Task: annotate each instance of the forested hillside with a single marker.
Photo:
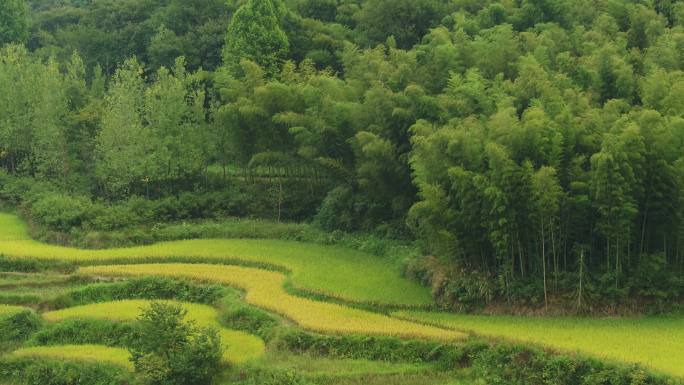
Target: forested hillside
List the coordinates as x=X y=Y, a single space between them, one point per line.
x=533 y=149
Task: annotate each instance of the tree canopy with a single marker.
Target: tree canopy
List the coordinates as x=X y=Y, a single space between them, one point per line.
x=13 y=22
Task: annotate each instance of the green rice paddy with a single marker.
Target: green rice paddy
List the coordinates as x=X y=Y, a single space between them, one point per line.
x=655 y=342
x=327 y=270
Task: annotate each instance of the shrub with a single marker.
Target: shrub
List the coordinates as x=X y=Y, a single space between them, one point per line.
x=167 y=350
x=371 y=348
x=264 y=376
x=62 y=212
x=519 y=365
x=252 y=320
x=113 y=217
x=28 y=265
x=655 y=284
x=453 y=288
x=19 y=326
x=38 y=372
x=337 y=211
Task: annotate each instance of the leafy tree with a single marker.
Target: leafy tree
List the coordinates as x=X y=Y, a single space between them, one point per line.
x=13 y=22
x=123 y=145
x=442 y=55
x=325 y=10
x=496 y=51
x=614 y=76
x=254 y=34
x=109 y=32
x=32 y=131
x=532 y=12
x=175 y=118
x=406 y=20
x=645 y=27
x=164 y=48
x=168 y=350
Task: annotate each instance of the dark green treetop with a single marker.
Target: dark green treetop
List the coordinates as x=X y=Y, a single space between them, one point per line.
x=255 y=34
x=13 y=22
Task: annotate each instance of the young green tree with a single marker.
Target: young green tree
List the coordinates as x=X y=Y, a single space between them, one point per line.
x=13 y=22
x=174 y=115
x=123 y=156
x=254 y=34
x=168 y=350
x=32 y=131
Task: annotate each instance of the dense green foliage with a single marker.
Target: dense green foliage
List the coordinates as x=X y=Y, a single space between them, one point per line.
x=83 y=332
x=18 y=327
x=169 y=350
x=109 y=32
x=13 y=22
x=35 y=372
x=254 y=34
x=537 y=143
x=152 y=288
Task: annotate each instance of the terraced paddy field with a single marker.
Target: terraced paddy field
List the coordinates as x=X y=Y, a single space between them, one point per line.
x=265 y=290
x=327 y=270
x=264 y=269
x=656 y=342
x=239 y=346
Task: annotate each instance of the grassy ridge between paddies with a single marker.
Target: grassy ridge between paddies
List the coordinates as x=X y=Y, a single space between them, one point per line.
x=239 y=346
x=324 y=367
x=333 y=271
x=265 y=290
x=83 y=353
x=7 y=310
x=654 y=342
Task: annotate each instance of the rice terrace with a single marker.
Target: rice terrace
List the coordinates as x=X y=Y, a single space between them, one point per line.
x=341 y=192
x=653 y=342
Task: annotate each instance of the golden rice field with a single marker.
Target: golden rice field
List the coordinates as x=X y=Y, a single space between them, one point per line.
x=655 y=342
x=327 y=270
x=239 y=346
x=83 y=353
x=265 y=290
